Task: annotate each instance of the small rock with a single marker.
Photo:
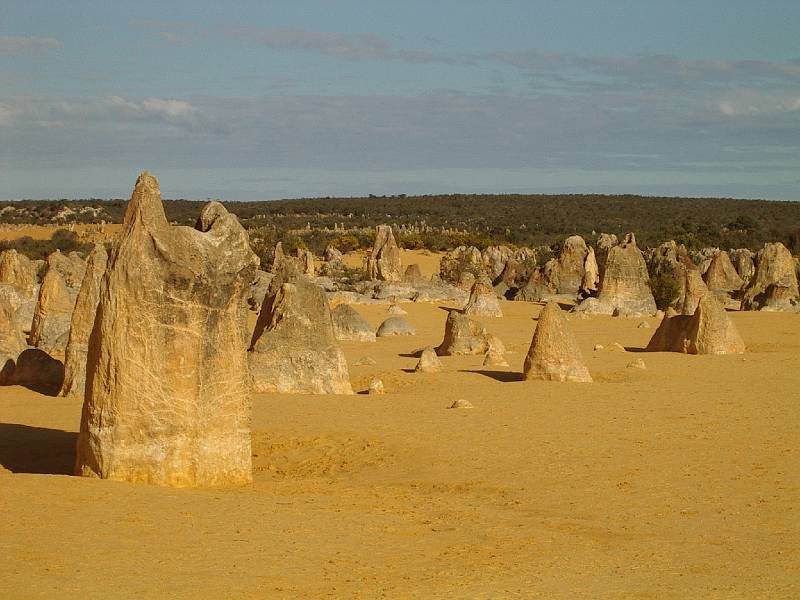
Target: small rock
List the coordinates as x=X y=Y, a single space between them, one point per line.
x=365 y=361
x=376 y=386
x=428 y=362
x=395 y=309
x=599 y=347
x=637 y=364
x=494 y=358
x=643 y=325
x=461 y=403
x=618 y=347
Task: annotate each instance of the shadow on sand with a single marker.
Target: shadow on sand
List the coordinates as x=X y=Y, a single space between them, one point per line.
x=504 y=376
x=25 y=449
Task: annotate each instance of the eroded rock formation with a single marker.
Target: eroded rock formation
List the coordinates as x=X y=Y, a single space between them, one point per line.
x=774 y=285
x=554 y=354
x=384 y=262
x=348 y=324
x=167 y=387
x=82 y=323
x=294 y=348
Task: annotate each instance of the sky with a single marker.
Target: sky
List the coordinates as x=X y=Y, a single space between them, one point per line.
x=288 y=99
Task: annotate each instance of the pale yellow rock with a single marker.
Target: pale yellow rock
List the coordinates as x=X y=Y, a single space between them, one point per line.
x=483 y=300
x=774 y=284
x=82 y=322
x=52 y=315
x=428 y=361
x=708 y=331
x=554 y=354
x=17 y=269
x=167 y=392
x=384 y=262
x=463 y=335
x=294 y=347
x=376 y=386
x=461 y=403
x=722 y=275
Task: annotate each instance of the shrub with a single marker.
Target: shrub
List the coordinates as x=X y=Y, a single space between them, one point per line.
x=665 y=288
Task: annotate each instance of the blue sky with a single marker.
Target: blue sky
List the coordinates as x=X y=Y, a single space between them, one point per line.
x=291 y=99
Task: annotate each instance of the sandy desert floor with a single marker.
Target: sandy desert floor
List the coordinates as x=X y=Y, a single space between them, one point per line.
x=678 y=481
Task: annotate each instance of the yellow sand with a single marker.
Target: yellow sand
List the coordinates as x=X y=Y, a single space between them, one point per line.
x=679 y=481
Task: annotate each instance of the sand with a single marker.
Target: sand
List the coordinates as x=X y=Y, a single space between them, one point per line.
x=678 y=481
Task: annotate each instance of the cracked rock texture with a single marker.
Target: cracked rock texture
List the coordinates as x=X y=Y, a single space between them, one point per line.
x=167 y=387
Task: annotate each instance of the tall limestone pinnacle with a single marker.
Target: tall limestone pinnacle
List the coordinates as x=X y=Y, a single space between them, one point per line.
x=167 y=388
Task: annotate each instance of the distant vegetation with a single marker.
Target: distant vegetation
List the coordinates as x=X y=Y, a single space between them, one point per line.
x=441 y=222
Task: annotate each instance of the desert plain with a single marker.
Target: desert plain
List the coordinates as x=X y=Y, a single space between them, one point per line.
x=680 y=480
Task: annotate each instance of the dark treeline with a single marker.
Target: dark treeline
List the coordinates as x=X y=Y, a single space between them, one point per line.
x=512 y=219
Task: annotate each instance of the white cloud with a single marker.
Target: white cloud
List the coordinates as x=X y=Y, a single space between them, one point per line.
x=749 y=103
x=5 y=115
x=18 y=44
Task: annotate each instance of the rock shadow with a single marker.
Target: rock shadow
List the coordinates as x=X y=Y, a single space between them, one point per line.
x=503 y=376
x=26 y=449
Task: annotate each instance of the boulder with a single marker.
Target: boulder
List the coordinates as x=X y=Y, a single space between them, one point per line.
x=294 y=347
x=774 y=284
x=83 y=317
x=167 y=388
x=567 y=274
x=463 y=335
x=395 y=326
x=349 y=325
x=52 y=315
x=554 y=354
x=483 y=300
x=708 y=331
x=721 y=274
x=428 y=361
x=384 y=262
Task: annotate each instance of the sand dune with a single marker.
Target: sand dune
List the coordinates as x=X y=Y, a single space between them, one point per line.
x=678 y=481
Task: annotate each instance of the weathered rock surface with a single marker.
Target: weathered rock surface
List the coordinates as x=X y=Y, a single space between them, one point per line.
x=70 y=266
x=428 y=361
x=384 y=262
x=12 y=343
x=258 y=289
x=554 y=354
x=568 y=272
x=83 y=317
x=591 y=272
x=708 y=331
x=18 y=270
x=348 y=324
x=742 y=259
x=167 y=387
x=463 y=335
x=483 y=300
x=722 y=275
x=294 y=347
x=774 y=285
x=395 y=326
x=625 y=284
x=52 y=315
